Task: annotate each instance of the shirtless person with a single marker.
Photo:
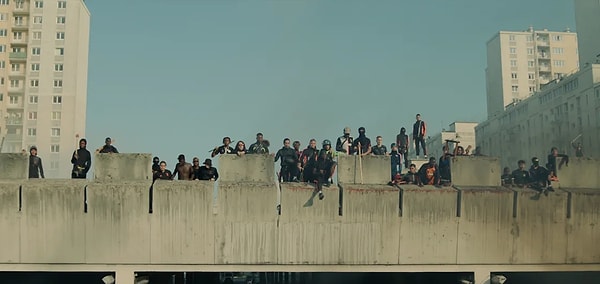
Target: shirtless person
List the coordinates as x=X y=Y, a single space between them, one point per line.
x=183 y=170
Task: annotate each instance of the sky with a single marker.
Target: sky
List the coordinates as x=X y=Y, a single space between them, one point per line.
x=171 y=77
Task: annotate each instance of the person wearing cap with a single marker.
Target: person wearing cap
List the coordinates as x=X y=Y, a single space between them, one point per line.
x=208 y=172
x=162 y=172
x=344 y=142
x=429 y=173
x=108 y=147
x=379 y=149
x=261 y=146
x=521 y=176
x=363 y=141
x=419 y=131
x=35 y=164
x=539 y=176
x=289 y=162
x=183 y=170
x=223 y=149
x=81 y=160
x=155 y=165
x=403 y=144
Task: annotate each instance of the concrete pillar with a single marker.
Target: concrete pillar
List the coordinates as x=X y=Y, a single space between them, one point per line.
x=482 y=276
x=124 y=275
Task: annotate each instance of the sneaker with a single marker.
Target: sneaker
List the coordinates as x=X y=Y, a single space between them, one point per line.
x=321 y=195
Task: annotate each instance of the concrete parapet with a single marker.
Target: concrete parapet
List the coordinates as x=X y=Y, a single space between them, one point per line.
x=53 y=221
x=182 y=222
x=579 y=173
x=309 y=228
x=429 y=225
x=9 y=222
x=375 y=169
x=130 y=166
x=370 y=225
x=484 y=230
x=475 y=171
x=14 y=166
x=583 y=231
x=247 y=168
x=246 y=223
x=539 y=228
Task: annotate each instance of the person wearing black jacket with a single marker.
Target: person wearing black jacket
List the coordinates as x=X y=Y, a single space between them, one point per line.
x=429 y=173
x=223 y=149
x=155 y=165
x=365 y=143
x=208 y=172
x=419 y=131
x=521 y=176
x=289 y=162
x=403 y=144
x=551 y=165
x=539 y=176
x=108 y=147
x=35 y=164
x=344 y=143
x=81 y=160
x=307 y=155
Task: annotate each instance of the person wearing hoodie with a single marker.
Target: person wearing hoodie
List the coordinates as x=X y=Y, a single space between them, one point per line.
x=363 y=141
x=403 y=144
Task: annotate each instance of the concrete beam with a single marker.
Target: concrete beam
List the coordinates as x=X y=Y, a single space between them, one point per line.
x=14 y=166
x=475 y=171
x=579 y=173
x=130 y=166
x=10 y=208
x=364 y=170
x=247 y=168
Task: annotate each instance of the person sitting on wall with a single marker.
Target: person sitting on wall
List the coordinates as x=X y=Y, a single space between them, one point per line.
x=412 y=177
x=539 y=176
x=429 y=173
x=551 y=165
x=520 y=176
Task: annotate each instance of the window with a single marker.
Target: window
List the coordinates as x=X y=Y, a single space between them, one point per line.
x=4 y=2
x=55 y=132
x=32 y=115
x=33 y=100
x=557 y=37
x=531 y=63
x=37 y=35
x=3 y=17
x=511 y=37
x=57 y=99
x=2 y=48
x=559 y=63
x=56 y=115
x=62 y=4
x=513 y=50
x=15 y=83
x=3 y=32
x=18 y=35
x=54 y=148
x=37 y=19
x=531 y=89
x=1 y=81
x=13 y=100
x=531 y=76
x=15 y=67
x=36 y=51
x=2 y=64
x=530 y=51
x=54 y=165
x=529 y=38
x=515 y=89
x=61 y=20
x=59 y=51
x=558 y=50
x=513 y=75
x=31 y=131
x=19 y=4
x=58 y=67
x=57 y=83
x=60 y=35
x=513 y=63
x=35 y=67
x=18 y=20
x=35 y=83
x=39 y=4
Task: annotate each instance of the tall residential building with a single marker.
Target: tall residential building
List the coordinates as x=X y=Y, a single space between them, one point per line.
x=43 y=78
x=518 y=63
x=587 y=17
x=464 y=132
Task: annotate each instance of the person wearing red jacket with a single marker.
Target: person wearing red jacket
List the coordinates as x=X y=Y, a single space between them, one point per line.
x=419 y=130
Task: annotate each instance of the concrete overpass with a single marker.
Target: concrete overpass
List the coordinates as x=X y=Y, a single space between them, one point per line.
x=248 y=222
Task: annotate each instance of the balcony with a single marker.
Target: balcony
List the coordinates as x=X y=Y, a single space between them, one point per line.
x=13 y=137
x=543 y=42
x=18 y=56
x=21 y=11
x=545 y=69
x=19 y=26
x=14 y=121
x=17 y=106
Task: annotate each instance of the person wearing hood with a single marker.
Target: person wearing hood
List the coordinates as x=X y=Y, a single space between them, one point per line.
x=403 y=144
x=155 y=165
x=363 y=141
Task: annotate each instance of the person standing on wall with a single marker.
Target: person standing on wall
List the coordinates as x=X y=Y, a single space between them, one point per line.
x=35 y=164
x=419 y=131
x=81 y=160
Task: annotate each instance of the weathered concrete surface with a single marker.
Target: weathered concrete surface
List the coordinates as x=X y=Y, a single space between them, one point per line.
x=52 y=221
x=429 y=225
x=247 y=168
x=580 y=173
x=375 y=169
x=182 y=226
x=309 y=228
x=14 y=166
x=370 y=224
x=9 y=222
x=246 y=224
x=475 y=171
x=583 y=231
x=117 y=227
x=130 y=166
x=539 y=228
x=484 y=234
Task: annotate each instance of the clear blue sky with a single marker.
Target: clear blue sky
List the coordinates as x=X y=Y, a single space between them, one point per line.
x=170 y=77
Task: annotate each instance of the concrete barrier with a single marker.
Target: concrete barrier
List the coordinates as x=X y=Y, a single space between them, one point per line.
x=370 y=225
x=247 y=168
x=14 y=166
x=52 y=221
x=539 y=228
x=579 y=173
x=475 y=171
x=246 y=224
x=375 y=169
x=182 y=223
x=429 y=225
x=122 y=167
x=9 y=222
x=309 y=228
x=117 y=228
x=484 y=235
x=583 y=230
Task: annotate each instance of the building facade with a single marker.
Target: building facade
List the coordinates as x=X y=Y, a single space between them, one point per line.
x=43 y=78
x=464 y=132
x=518 y=63
x=561 y=112
x=588 y=29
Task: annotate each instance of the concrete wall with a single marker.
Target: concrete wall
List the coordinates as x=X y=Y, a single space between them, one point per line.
x=132 y=166
x=14 y=166
x=582 y=226
x=475 y=171
x=375 y=169
x=247 y=168
x=580 y=173
x=9 y=222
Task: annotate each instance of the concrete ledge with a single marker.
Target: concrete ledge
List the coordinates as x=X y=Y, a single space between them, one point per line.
x=475 y=171
x=375 y=169
x=580 y=173
x=247 y=168
x=122 y=167
x=14 y=166
x=9 y=222
x=583 y=230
